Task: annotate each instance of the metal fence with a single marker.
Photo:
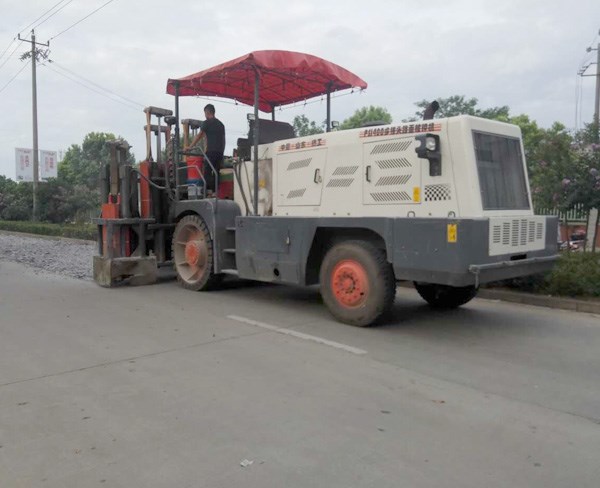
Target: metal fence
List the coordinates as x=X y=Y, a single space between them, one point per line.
x=577 y=214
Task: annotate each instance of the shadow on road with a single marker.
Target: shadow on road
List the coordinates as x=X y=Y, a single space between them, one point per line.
x=407 y=313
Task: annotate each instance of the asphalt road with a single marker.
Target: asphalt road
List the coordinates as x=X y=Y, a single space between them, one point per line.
x=160 y=387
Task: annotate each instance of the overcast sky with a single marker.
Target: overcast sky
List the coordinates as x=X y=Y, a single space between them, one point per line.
x=520 y=53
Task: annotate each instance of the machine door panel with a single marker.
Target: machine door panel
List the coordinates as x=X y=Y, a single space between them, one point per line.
x=391 y=172
x=300 y=177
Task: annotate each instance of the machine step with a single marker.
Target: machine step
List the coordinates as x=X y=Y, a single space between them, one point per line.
x=231 y=229
x=229 y=251
x=232 y=272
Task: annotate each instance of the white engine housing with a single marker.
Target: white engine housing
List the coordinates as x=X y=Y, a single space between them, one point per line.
x=375 y=172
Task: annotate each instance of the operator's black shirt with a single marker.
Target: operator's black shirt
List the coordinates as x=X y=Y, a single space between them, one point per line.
x=215 y=135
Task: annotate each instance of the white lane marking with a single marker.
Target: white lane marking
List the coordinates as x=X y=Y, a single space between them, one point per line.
x=299 y=335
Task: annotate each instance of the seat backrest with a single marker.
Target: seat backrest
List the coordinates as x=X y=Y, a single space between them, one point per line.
x=271 y=131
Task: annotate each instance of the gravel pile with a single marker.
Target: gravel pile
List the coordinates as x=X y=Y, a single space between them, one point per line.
x=67 y=258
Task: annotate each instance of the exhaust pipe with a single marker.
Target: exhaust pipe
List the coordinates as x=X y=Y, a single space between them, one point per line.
x=431 y=109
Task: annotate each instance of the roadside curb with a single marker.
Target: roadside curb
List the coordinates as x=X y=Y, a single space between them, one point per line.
x=547 y=301
x=49 y=238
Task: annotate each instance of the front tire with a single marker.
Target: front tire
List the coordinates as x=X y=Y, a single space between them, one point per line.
x=444 y=296
x=193 y=255
x=357 y=283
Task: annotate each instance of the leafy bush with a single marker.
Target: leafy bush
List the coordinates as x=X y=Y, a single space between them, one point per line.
x=76 y=231
x=576 y=274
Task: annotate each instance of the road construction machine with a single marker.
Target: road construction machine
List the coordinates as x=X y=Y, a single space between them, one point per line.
x=443 y=203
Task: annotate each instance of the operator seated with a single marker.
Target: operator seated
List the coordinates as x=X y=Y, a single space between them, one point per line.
x=214 y=131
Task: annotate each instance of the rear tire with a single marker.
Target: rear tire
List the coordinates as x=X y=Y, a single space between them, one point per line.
x=444 y=296
x=357 y=283
x=192 y=249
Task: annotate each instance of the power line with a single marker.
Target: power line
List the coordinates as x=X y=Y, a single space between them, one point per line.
x=32 y=23
x=126 y=104
x=10 y=55
x=17 y=74
x=46 y=12
x=82 y=19
x=8 y=46
x=53 y=14
x=95 y=84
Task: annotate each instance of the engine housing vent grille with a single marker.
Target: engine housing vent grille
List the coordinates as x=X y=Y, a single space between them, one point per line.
x=389 y=147
x=344 y=171
x=516 y=235
x=340 y=182
x=391 y=196
x=301 y=163
x=296 y=193
x=393 y=180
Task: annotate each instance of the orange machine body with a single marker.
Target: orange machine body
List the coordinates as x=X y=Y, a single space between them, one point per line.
x=123 y=234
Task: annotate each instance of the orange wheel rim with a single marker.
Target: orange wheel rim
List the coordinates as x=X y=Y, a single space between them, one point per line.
x=194 y=253
x=350 y=283
x=191 y=254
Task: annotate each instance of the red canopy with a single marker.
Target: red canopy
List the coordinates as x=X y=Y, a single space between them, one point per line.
x=285 y=77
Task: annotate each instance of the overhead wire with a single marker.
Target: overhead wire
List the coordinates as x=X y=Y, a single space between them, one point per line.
x=34 y=25
x=82 y=19
x=17 y=74
x=10 y=55
x=71 y=72
x=126 y=104
x=41 y=16
x=8 y=46
x=53 y=14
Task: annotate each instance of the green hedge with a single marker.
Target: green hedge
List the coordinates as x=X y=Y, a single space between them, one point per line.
x=76 y=231
x=576 y=274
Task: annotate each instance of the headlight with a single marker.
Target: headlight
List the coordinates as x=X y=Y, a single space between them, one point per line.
x=430 y=143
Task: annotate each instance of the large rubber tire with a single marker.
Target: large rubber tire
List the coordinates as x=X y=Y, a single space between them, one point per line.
x=192 y=253
x=444 y=296
x=357 y=283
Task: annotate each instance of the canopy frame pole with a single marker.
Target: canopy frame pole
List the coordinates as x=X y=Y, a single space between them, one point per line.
x=273 y=113
x=176 y=151
x=256 y=139
x=328 y=128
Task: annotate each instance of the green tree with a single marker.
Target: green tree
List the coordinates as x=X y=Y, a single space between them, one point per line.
x=586 y=181
x=551 y=169
x=63 y=202
x=15 y=200
x=81 y=164
x=459 y=105
x=365 y=115
x=532 y=134
x=304 y=127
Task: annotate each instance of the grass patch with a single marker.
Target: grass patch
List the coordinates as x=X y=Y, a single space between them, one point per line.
x=75 y=231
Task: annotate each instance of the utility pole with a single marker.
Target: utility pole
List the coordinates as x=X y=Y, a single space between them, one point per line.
x=36 y=164
x=597 y=106
x=597 y=99
x=594 y=215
